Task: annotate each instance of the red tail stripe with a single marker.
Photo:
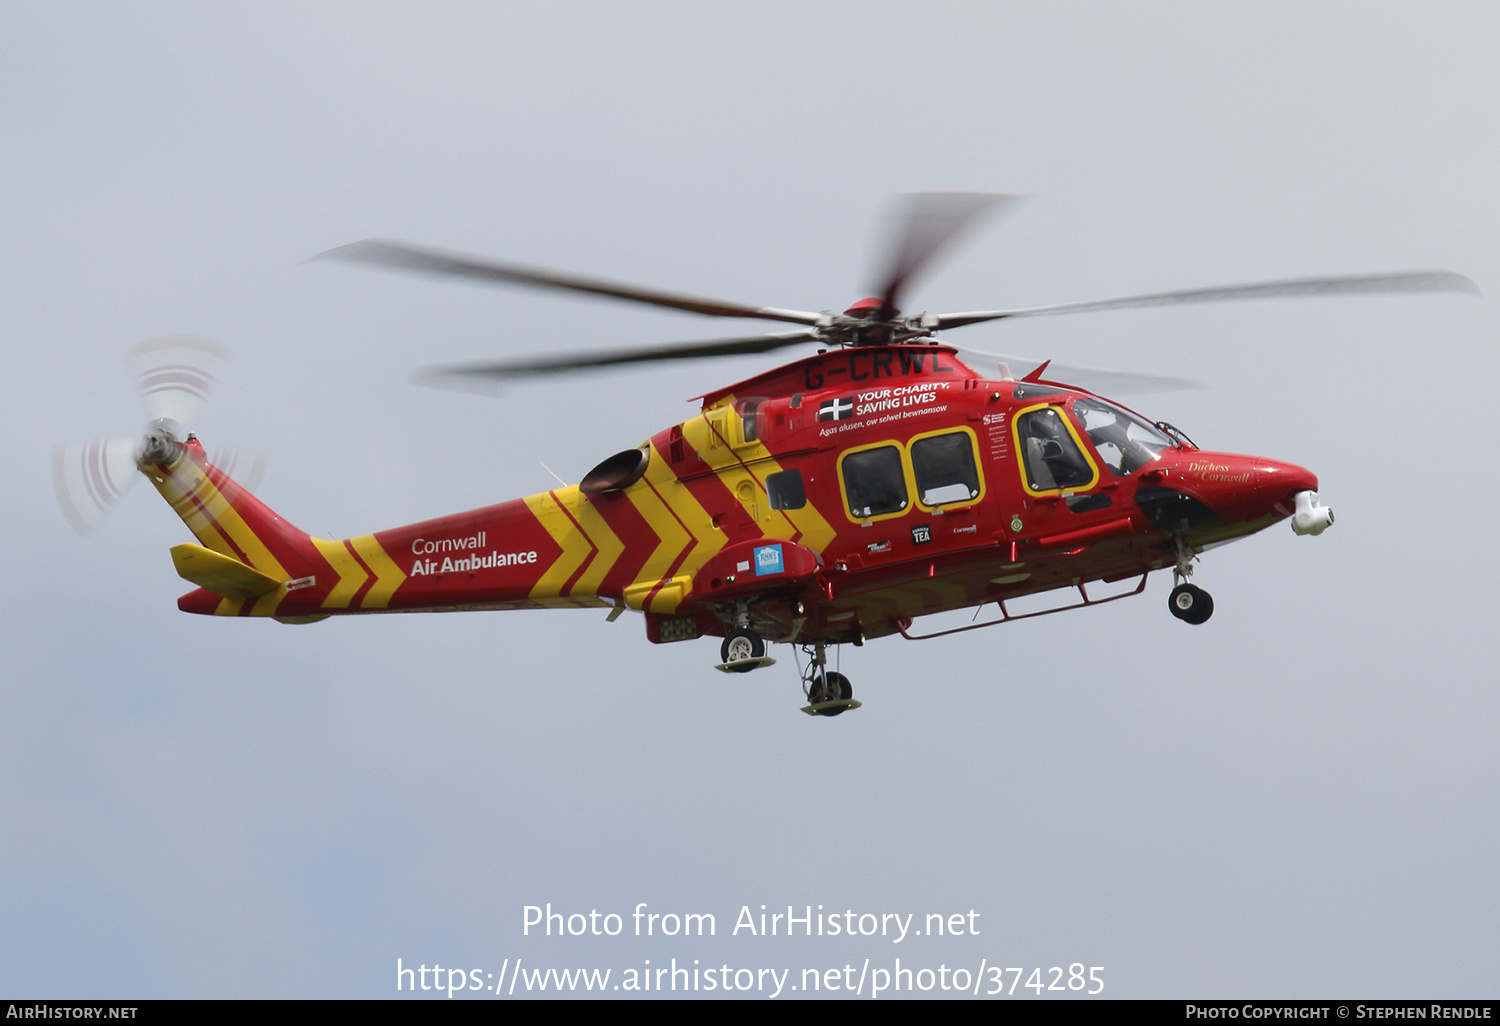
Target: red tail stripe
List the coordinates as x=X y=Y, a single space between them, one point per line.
x=593 y=549
x=369 y=576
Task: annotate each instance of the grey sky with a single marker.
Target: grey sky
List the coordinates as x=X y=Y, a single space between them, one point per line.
x=1297 y=799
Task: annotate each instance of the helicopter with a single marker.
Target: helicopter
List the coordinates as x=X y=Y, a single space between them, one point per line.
x=831 y=500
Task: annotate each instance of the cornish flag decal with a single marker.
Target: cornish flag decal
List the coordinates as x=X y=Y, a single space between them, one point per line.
x=836 y=409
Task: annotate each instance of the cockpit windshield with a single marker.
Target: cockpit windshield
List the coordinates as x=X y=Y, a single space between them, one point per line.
x=1124 y=441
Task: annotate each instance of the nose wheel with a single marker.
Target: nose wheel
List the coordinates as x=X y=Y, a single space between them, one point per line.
x=1190 y=603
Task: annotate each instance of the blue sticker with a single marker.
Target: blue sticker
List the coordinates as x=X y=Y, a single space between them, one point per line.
x=768 y=560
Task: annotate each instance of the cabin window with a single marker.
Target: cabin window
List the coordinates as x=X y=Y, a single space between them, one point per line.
x=1051 y=457
x=1125 y=443
x=874 y=483
x=786 y=490
x=945 y=468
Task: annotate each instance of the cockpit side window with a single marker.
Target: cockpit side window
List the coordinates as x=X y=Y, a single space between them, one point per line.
x=1050 y=456
x=874 y=483
x=945 y=468
x=1124 y=442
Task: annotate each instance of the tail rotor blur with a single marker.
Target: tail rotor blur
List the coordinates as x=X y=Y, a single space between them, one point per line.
x=174 y=377
x=90 y=477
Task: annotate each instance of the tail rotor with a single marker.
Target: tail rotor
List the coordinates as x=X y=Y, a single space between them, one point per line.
x=90 y=478
x=174 y=377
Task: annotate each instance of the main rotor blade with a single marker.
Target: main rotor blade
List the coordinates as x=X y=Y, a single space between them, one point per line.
x=472 y=375
x=1099 y=380
x=1409 y=281
x=412 y=258
x=925 y=223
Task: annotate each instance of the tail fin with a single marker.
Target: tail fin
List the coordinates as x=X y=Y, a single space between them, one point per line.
x=229 y=521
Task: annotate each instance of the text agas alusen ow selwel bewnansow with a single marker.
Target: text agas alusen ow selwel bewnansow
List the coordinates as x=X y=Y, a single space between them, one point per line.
x=539 y=920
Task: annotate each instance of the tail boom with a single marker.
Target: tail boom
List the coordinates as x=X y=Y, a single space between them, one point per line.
x=523 y=554
x=641 y=547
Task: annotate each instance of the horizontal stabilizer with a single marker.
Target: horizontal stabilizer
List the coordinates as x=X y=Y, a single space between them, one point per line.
x=226 y=577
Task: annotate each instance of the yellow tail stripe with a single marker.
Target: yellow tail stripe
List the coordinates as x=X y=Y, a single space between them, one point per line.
x=672 y=538
x=608 y=544
x=183 y=503
x=228 y=520
x=575 y=546
x=351 y=574
x=388 y=576
x=211 y=518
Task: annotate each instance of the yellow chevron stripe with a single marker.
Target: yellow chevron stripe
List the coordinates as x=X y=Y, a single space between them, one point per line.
x=707 y=539
x=227 y=519
x=210 y=517
x=816 y=532
x=575 y=546
x=178 y=494
x=603 y=538
x=388 y=576
x=672 y=539
x=351 y=574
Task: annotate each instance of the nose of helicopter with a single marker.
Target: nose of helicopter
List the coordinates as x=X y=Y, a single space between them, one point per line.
x=1276 y=483
x=1236 y=487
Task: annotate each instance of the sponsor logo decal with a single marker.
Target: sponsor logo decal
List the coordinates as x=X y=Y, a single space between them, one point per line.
x=886 y=399
x=836 y=409
x=1219 y=472
x=768 y=560
x=486 y=561
x=921 y=534
x=882 y=406
x=424 y=546
x=471 y=561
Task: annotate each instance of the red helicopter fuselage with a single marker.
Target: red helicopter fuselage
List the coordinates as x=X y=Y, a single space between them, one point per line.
x=834 y=499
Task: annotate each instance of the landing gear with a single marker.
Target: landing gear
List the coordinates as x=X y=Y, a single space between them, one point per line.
x=1188 y=602
x=828 y=692
x=743 y=650
x=1191 y=603
x=740 y=644
x=835 y=687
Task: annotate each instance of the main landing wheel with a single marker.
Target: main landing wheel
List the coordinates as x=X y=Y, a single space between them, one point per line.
x=835 y=688
x=1190 y=603
x=740 y=645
